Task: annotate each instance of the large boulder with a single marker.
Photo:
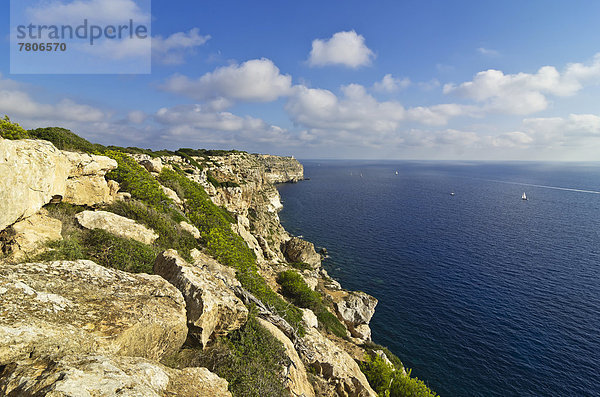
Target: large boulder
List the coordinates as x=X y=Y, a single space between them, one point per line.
x=86 y=184
x=98 y=375
x=356 y=308
x=212 y=307
x=117 y=225
x=332 y=363
x=31 y=173
x=297 y=380
x=30 y=234
x=78 y=307
x=298 y=250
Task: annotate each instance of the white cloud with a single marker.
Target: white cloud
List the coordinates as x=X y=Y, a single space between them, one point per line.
x=136 y=117
x=391 y=84
x=17 y=103
x=118 y=49
x=96 y=11
x=525 y=93
x=198 y=123
x=257 y=80
x=512 y=139
x=488 y=52
x=555 y=131
x=360 y=112
x=343 y=48
x=172 y=50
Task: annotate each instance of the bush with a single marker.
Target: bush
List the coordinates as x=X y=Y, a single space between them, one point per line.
x=171 y=235
x=64 y=139
x=389 y=380
x=299 y=293
x=378 y=373
x=10 y=130
x=135 y=179
x=405 y=386
x=214 y=224
x=250 y=359
x=105 y=249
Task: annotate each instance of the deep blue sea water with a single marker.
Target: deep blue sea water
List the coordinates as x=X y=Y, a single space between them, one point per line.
x=481 y=293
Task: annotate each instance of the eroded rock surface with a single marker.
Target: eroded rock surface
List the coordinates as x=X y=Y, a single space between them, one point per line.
x=30 y=234
x=117 y=225
x=295 y=373
x=332 y=363
x=98 y=375
x=212 y=307
x=63 y=308
x=32 y=172
x=298 y=250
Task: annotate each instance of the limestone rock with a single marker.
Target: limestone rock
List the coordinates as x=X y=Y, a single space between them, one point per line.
x=86 y=184
x=32 y=172
x=98 y=375
x=362 y=332
x=212 y=307
x=63 y=308
x=117 y=225
x=28 y=235
x=190 y=228
x=298 y=250
x=222 y=272
x=309 y=318
x=356 y=308
x=335 y=365
x=298 y=383
x=152 y=164
x=172 y=195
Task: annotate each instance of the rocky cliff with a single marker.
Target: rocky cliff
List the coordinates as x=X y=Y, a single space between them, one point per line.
x=136 y=273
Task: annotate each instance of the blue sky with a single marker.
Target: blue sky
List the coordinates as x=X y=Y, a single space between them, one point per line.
x=387 y=80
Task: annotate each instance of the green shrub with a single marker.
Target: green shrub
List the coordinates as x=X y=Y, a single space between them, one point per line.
x=105 y=249
x=171 y=235
x=405 y=386
x=250 y=359
x=389 y=380
x=10 y=130
x=299 y=293
x=378 y=373
x=135 y=179
x=65 y=140
x=214 y=224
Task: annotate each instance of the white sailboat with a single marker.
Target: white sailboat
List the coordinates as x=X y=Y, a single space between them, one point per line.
x=524 y=196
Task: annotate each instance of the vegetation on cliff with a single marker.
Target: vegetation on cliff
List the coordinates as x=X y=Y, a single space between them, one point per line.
x=10 y=130
x=299 y=293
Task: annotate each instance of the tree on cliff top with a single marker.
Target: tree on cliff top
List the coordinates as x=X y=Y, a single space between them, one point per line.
x=10 y=130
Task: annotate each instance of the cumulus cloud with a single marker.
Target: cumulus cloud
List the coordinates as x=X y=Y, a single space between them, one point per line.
x=390 y=84
x=526 y=93
x=199 y=123
x=356 y=110
x=257 y=80
x=512 y=139
x=343 y=48
x=96 y=11
x=563 y=131
x=16 y=102
x=173 y=49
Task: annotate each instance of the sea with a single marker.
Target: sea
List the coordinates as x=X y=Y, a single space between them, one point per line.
x=480 y=293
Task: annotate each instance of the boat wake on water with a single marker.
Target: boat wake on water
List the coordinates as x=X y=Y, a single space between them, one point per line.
x=568 y=189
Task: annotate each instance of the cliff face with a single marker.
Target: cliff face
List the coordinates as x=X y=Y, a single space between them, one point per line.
x=131 y=322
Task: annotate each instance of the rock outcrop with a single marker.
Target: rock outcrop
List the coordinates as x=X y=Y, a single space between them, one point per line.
x=51 y=310
x=32 y=172
x=29 y=235
x=86 y=184
x=335 y=365
x=98 y=375
x=117 y=225
x=212 y=307
x=298 y=250
x=356 y=308
x=295 y=374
